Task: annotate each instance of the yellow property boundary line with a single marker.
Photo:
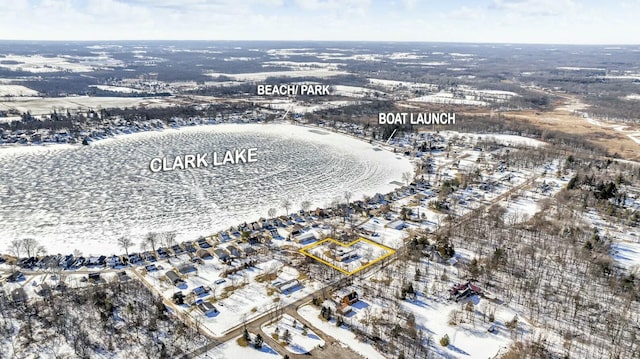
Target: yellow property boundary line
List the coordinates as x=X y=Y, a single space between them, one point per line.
x=390 y=251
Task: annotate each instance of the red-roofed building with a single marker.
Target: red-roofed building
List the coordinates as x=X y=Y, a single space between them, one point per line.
x=464 y=290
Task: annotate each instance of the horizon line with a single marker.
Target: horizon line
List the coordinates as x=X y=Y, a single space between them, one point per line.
x=334 y=41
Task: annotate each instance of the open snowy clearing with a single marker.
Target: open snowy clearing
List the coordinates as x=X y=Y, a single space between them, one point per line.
x=627 y=254
x=85 y=197
x=467 y=340
x=301 y=341
x=625 y=246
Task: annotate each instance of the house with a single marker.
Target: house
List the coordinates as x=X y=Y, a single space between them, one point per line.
x=344 y=254
x=18 y=295
x=378 y=198
x=254 y=238
x=345 y=296
x=319 y=212
x=284 y=287
x=296 y=230
x=149 y=256
x=92 y=261
x=15 y=277
x=255 y=226
x=200 y=291
x=176 y=249
x=305 y=238
x=174 y=278
x=113 y=261
x=188 y=247
x=397 y=224
x=94 y=277
x=207 y=308
x=204 y=254
x=186 y=268
x=464 y=290
x=203 y=243
x=235 y=251
x=223 y=237
x=123 y=276
x=344 y=309
x=221 y=254
x=44 y=290
x=66 y=262
x=250 y=251
x=162 y=253
x=134 y=259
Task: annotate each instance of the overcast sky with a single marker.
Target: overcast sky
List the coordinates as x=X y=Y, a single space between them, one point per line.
x=511 y=21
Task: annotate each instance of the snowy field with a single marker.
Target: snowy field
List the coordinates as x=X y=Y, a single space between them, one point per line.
x=85 y=197
x=46 y=105
x=16 y=90
x=261 y=76
x=121 y=89
x=301 y=342
x=43 y=64
x=444 y=97
x=510 y=140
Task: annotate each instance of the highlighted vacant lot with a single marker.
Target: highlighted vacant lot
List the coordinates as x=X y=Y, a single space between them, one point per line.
x=348 y=258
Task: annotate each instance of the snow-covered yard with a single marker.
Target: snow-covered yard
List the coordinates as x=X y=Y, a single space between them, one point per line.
x=300 y=340
x=342 y=333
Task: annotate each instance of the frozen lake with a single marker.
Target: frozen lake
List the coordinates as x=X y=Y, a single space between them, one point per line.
x=85 y=197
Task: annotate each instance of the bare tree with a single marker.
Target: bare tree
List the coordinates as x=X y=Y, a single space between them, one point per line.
x=305 y=205
x=407 y=177
x=15 y=247
x=31 y=246
x=347 y=197
x=125 y=243
x=152 y=239
x=271 y=212
x=286 y=204
x=168 y=239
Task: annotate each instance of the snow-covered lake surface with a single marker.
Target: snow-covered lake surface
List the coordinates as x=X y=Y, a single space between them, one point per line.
x=85 y=197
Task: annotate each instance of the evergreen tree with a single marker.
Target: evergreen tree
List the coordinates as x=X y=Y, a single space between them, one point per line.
x=286 y=336
x=245 y=335
x=257 y=343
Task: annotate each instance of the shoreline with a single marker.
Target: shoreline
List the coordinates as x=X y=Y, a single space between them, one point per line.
x=319 y=200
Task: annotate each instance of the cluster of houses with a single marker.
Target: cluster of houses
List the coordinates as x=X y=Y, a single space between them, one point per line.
x=244 y=241
x=102 y=126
